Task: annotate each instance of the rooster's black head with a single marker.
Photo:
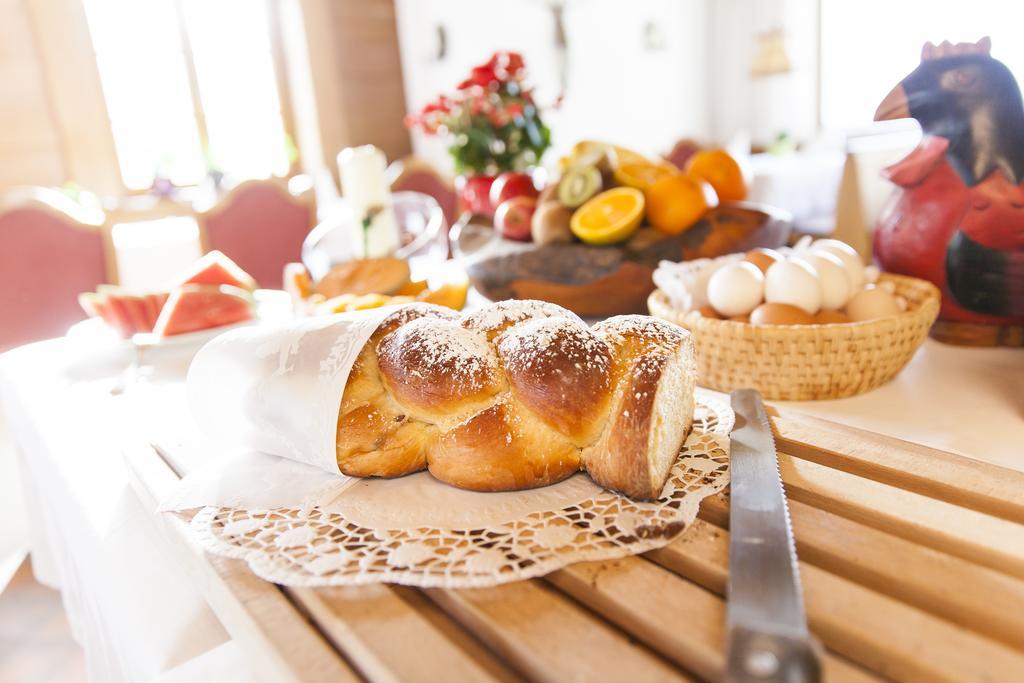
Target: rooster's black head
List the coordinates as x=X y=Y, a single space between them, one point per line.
x=960 y=93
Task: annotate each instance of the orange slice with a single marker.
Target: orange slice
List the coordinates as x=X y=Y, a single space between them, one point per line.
x=642 y=175
x=610 y=217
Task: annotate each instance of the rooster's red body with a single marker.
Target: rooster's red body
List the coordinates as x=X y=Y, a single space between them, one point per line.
x=958 y=217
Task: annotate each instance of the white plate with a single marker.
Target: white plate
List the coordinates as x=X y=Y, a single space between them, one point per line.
x=197 y=338
x=95 y=332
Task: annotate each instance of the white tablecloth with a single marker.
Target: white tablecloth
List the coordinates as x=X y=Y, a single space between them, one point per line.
x=137 y=613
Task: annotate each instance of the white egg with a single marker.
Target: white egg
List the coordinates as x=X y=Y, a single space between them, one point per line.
x=835 y=283
x=850 y=258
x=793 y=282
x=829 y=243
x=736 y=289
x=803 y=244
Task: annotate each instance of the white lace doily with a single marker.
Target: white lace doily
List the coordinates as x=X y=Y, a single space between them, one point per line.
x=322 y=547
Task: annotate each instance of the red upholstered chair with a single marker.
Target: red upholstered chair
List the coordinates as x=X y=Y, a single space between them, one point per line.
x=50 y=251
x=260 y=225
x=415 y=175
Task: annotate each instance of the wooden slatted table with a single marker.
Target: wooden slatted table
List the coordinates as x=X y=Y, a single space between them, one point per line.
x=912 y=563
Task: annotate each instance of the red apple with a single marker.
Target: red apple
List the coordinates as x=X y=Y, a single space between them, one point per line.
x=475 y=194
x=514 y=216
x=510 y=185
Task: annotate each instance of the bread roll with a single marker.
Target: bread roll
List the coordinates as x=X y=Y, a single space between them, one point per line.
x=518 y=395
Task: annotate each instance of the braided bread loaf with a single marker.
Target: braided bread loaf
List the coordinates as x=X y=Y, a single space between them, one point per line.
x=518 y=395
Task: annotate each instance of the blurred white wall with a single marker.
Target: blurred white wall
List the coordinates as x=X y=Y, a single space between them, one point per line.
x=634 y=73
x=767 y=105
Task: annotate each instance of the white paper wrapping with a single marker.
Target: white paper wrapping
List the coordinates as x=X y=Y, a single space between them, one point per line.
x=277 y=389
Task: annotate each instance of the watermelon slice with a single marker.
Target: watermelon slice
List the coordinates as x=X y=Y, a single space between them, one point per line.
x=97 y=306
x=152 y=310
x=156 y=301
x=90 y=303
x=123 y=317
x=133 y=308
x=115 y=317
x=191 y=308
x=138 y=312
x=215 y=268
x=125 y=312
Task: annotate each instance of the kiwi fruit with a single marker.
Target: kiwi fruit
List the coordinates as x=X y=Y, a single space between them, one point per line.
x=550 y=223
x=579 y=184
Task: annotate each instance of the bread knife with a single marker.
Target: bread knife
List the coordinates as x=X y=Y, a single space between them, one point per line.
x=768 y=638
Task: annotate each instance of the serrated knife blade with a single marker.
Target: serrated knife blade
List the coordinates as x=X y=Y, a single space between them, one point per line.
x=768 y=638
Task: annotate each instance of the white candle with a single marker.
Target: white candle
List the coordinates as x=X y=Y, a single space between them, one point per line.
x=366 y=190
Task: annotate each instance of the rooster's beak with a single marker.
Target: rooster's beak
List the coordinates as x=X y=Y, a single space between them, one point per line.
x=894 y=106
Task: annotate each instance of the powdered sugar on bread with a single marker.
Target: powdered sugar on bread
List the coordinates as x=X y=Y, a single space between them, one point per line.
x=523 y=393
x=498 y=317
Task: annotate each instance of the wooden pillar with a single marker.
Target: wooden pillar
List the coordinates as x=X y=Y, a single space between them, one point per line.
x=355 y=76
x=30 y=150
x=75 y=97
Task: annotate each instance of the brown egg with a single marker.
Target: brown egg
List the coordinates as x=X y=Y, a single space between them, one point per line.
x=763 y=258
x=709 y=312
x=740 y=318
x=780 y=314
x=831 y=317
x=871 y=303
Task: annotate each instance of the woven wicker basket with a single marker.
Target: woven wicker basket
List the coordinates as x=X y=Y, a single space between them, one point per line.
x=808 y=362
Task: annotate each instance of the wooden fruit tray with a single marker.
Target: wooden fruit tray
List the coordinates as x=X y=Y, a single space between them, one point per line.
x=912 y=562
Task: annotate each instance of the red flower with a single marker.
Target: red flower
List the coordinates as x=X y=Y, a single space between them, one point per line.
x=499 y=118
x=482 y=116
x=505 y=64
x=442 y=105
x=482 y=76
x=432 y=116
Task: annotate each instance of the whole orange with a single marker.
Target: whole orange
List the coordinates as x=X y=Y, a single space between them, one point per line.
x=675 y=202
x=720 y=170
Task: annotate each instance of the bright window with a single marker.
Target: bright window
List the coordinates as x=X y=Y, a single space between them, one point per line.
x=868 y=46
x=190 y=87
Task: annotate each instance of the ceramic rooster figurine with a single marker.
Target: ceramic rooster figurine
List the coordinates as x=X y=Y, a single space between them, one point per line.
x=958 y=219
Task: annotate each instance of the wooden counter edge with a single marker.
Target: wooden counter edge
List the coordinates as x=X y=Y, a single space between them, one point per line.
x=255 y=612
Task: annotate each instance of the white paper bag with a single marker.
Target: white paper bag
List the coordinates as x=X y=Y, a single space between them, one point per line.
x=278 y=389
